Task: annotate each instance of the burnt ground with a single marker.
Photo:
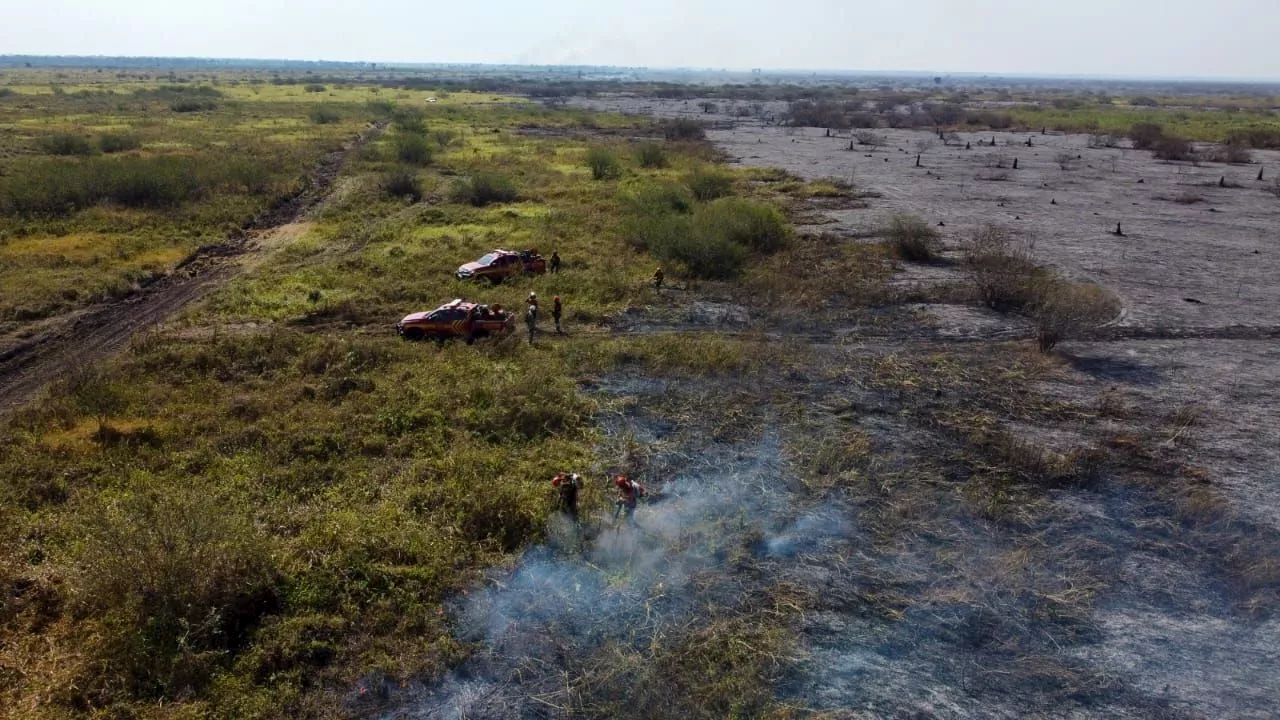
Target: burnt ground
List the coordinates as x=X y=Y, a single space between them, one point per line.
x=945 y=523
x=30 y=360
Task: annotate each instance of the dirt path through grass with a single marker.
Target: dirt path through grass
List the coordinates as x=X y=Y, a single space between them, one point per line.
x=83 y=336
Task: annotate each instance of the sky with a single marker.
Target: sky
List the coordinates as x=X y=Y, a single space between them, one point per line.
x=1130 y=38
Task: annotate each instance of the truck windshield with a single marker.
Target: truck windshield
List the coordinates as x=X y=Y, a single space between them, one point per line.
x=487 y=259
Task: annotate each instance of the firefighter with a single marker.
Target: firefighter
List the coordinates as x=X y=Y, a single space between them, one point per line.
x=555 y=262
x=657 y=279
x=532 y=300
x=629 y=493
x=531 y=320
x=556 y=312
x=568 y=485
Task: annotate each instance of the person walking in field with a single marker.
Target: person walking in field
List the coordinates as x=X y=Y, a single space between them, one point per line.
x=657 y=279
x=556 y=311
x=629 y=494
x=555 y=262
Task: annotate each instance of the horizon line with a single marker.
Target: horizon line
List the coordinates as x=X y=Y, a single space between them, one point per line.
x=390 y=65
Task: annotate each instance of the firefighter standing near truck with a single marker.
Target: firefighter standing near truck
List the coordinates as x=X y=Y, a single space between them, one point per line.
x=629 y=494
x=531 y=315
x=555 y=262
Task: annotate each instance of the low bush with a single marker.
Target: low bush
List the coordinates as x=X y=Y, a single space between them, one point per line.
x=59 y=187
x=402 y=182
x=444 y=138
x=173 y=579
x=189 y=106
x=1062 y=309
x=484 y=188
x=412 y=149
x=1003 y=270
x=1008 y=280
x=660 y=198
x=751 y=224
x=409 y=120
x=324 y=116
x=708 y=183
x=683 y=129
x=603 y=163
x=1259 y=138
x=912 y=238
x=651 y=155
x=1231 y=153
x=315 y=88
x=710 y=240
x=64 y=144
x=118 y=142
x=1174 y=149
x=1145 y=135
x=703 y=253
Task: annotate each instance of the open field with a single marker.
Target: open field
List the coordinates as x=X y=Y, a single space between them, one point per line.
x=869 y=494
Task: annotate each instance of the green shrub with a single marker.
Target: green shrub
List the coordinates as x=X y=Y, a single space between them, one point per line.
x=188 y=106
x=444 y=138
x=751 y=224
x=412 y=149
x=381 y=108
x=58 y=187
x=683 y=129
x=409 y=120
x=709 y=241
x=315 y=88
x=704 y=255
x=912 y=238
x=118 y=142
x=651 y=155
x=603 y=163
x=653 y=231
x=484 y=188
x=324 y=116
x=402 y=182
x=708 y=183
x=173 y=578
x=660 y=198
x=64 y=144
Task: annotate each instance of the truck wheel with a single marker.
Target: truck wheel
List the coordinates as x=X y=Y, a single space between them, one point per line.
x=413 y=334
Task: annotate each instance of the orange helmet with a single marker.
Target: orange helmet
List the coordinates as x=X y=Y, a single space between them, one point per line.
x=620 y=481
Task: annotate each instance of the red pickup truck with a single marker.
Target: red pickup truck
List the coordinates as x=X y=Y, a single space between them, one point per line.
x=502 y=264
x=457 y=319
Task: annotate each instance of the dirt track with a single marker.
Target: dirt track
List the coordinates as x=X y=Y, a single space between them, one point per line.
x=103 y=329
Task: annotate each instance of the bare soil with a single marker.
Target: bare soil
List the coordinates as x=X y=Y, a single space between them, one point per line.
x=34 y=357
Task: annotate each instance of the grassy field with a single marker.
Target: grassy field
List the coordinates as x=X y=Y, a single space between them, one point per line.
x=256 y=507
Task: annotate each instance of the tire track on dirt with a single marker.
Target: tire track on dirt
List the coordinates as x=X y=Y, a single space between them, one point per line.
x=105 y=328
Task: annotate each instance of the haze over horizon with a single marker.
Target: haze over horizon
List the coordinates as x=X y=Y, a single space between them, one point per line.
x=1117 y=38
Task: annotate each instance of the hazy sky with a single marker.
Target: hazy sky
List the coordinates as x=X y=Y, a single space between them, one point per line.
x=1227 y=38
